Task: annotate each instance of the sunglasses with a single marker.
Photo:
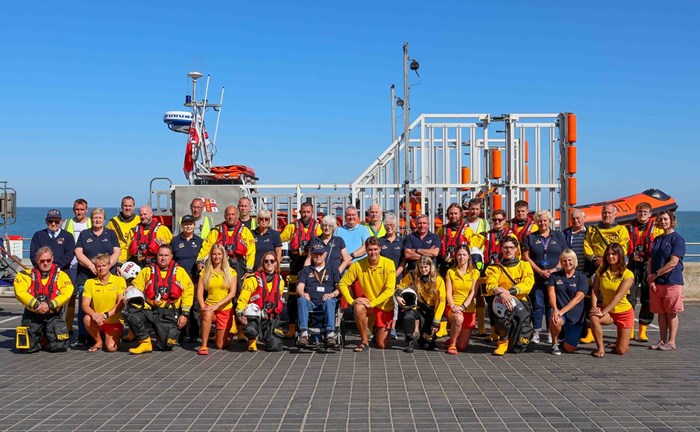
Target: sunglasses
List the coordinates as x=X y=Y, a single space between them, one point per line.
x=497 y=220
x=53 y=222
x=270 y=261
x=45 y=261
x=263 y=219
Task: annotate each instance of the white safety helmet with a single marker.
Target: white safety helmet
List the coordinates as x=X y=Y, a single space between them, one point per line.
x=252 y=310
x=499 y=306
x=133 y=295
x=130 y=270
x=410 y=297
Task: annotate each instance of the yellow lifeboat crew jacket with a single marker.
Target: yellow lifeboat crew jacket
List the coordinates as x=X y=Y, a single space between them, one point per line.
x=163 y=236
x=598 y=238
x=122 y=227
x=520 y=271
x=184 y=303
x=26 y=289
x=436 y=298
x=246 y=237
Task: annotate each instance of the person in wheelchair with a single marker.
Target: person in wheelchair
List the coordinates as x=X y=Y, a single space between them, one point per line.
x=317 y=292
x=421 y=319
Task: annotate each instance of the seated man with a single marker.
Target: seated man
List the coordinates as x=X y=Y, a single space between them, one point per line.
x=169 y=293
x=102 y=303
x=377 y=279
x=316 y=292
x=43 y=291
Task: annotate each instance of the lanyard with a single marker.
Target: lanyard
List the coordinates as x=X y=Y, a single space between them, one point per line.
x=323 y=275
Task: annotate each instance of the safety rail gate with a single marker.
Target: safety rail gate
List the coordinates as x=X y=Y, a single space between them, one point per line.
x=451 y=158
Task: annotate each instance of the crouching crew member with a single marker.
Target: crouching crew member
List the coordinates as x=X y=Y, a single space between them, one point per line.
x=316 y=292
x=423 y=320
x=168 y=293
x=260 y=304
x=43 y=291
x=143 y=241
x=511 y=278
x=377 y=279
x=102 y=305
x=460 y=286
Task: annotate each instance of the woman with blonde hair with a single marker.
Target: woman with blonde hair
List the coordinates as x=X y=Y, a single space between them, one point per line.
x=460 y=285
x=219 y=280
x=421 y=295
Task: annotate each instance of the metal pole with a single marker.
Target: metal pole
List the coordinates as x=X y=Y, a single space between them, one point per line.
x=393 y=114
x=396 y=152
x=406 y=141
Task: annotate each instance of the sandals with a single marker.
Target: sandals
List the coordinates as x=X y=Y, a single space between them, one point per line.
x=361 y=347
x=598 y=354
x=452 y=350
x=610 y=346
x=203 y=351
x=94 y=348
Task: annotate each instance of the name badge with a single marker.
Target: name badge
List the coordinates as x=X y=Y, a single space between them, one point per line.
x=320 y=289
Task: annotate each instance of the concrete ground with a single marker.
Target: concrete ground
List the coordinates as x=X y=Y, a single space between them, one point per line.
x=376 y=390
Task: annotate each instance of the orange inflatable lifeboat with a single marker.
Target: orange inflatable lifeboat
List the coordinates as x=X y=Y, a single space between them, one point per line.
x=626 y=206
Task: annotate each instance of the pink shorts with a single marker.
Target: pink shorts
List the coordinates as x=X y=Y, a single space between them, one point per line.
x=224 y=319
x=469 y=321
x=623 y=320
x=666 y=299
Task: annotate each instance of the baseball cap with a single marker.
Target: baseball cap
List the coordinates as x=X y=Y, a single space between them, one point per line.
x=319 y=248
x=187 y=219
x=53 y=214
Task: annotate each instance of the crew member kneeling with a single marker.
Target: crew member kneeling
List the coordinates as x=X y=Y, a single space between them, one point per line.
x=260 y=304
x=425 y=314
x=43 y=291
x=316 y=292
x=377 y=278
x=102 y=302
x=510 y=280
x=168 y=292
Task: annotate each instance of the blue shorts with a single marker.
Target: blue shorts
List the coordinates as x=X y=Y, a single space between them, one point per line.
x=572 y=332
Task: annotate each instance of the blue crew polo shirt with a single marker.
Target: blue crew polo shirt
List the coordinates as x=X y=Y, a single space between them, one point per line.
x=661 y=250
x=335 y=246
x=545 y=251
x=354 y=238
x=318 y=283
x=185 y=253
x=392 y=249
x=94 y=245
x=265 y=243
x=565 y=289
x=413 y=241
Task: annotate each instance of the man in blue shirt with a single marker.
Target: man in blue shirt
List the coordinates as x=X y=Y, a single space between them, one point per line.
x=421 y=242
x=186 y=246
x=354 y=234
x=61 y=243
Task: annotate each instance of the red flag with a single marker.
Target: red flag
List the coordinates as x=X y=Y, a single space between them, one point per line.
x=192 y=140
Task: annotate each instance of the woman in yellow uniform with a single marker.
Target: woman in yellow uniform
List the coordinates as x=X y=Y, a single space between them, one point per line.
x=425 y=316
x=219 y=280
x=511 y=277
x=102 y=305
x=609 y=297
x=460 y=286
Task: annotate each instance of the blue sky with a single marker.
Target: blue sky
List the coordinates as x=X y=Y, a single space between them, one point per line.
x=85 y=85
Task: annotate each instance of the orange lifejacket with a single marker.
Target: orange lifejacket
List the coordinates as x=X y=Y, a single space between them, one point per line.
x=261 y=296
x=451 y=242
x=234 y=245
x=640 y=244
x=521 y=233
x=301 y=240
x=143 y=243
x=492 y=249
x=48 y=292
x=163 y=288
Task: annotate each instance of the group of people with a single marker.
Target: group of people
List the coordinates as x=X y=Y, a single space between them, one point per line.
x=525 y=275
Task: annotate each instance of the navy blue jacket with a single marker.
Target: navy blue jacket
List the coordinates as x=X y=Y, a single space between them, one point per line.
x=62 y=247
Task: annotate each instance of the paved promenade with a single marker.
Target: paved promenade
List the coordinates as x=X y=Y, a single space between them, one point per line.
x=376 y=390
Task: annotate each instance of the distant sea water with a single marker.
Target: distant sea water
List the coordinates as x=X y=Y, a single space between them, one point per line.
x=31 y=219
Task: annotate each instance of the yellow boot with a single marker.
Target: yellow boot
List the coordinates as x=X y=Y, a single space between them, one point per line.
x=632 y=334
x=643 y=333
x=143 y=347
x=501 y=348
x=292 y=331
x=252 y=345
x=588 y=338
x=442 y=331
x=481 y=320
x=492 y=337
